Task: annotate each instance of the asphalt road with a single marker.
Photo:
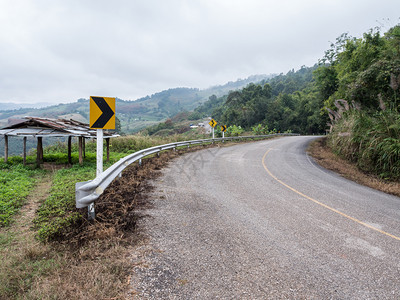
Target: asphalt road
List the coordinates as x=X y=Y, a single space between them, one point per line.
x=263 y=221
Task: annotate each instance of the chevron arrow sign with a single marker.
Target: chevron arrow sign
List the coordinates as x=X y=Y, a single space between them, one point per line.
x=102 y=113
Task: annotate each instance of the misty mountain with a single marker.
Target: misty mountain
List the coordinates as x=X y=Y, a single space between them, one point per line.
x=133 y=114
x=13 y=106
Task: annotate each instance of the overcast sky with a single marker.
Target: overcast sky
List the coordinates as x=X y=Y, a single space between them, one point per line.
x=59 y=51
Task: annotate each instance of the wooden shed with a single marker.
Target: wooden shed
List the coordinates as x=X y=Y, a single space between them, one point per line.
x=45 y=127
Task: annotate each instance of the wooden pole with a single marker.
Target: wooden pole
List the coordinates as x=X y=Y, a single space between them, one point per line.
x=5 y=148
x=24 y=150
x=80 y=150
x=108 y=149
x=84 y=147
x=69 y=150
x=39 y=150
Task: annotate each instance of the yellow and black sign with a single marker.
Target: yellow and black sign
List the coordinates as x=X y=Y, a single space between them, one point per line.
x=212 y=123
x=102 y=113
x=223 y=128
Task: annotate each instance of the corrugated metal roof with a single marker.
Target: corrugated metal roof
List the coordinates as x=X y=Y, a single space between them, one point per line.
x=40 y=127
x=37 y=132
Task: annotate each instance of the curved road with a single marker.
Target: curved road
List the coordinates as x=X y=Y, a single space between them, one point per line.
x=263 y=221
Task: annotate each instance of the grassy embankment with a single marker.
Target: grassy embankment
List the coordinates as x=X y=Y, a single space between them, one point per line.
x=370 y=140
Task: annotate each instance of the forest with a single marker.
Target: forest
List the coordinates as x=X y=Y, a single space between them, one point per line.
x=285 y=102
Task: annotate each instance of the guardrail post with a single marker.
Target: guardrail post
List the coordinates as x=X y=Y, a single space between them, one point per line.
x=140 y=161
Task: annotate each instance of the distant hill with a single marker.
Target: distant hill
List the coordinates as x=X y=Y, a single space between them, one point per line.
x=12 y=106
x=133 y=115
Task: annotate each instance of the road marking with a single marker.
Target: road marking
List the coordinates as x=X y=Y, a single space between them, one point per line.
x=324 y=205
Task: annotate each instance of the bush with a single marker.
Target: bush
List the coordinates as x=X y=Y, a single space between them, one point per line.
x=260 y=129
x=234 y=130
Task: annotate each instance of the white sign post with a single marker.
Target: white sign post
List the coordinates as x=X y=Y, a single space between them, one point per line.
x=99 y=167
x=99 y=153
x=102 y=116
x=212 y=123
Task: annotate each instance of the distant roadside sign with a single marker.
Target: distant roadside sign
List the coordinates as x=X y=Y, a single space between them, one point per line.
x=223 y=128
x=213 y=123
x=102 y=113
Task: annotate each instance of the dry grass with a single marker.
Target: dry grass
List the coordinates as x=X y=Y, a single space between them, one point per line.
x=99 y=270
x=327 y=159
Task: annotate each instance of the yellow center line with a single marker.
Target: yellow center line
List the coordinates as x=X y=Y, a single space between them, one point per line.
x=324 y=205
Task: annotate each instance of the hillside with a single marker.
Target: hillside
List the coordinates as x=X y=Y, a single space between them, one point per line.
x=13 y=106
x=285 y=102
x=135 y=115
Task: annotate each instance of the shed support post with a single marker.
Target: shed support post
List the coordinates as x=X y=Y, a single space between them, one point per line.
x=69 y=150
x=5 y=148
x=24 y=157
x=80 y=142
x=84 y=147
x=108 y=148
x=39 y=150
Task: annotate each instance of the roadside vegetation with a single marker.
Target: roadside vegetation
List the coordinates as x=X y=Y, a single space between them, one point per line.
x=371 y=140
x=365 y=126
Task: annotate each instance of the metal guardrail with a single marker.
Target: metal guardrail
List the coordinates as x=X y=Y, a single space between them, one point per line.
x=88 y=192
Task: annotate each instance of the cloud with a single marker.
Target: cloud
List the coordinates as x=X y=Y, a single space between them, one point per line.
x=52 y=50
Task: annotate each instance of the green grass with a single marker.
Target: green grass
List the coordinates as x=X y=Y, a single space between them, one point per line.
x=58 y=212
x=16 y=182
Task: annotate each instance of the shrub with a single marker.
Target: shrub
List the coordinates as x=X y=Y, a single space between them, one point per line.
x=234 y=130
x=260 y=129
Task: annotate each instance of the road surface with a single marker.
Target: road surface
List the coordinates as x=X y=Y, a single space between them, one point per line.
x=262 y=221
